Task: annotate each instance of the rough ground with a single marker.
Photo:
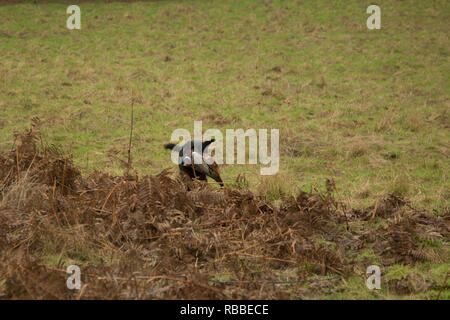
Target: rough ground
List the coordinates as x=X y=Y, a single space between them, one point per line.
x=146 y=237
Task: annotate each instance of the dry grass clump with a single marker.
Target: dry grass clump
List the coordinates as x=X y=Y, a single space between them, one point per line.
x=275 y=187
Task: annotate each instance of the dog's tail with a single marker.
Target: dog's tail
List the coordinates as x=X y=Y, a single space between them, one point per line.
x=175 y=147
x=205 y=144
x=169 y=146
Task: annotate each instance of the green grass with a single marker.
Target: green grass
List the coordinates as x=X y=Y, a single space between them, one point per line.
x=346 y=97
x=368 y=108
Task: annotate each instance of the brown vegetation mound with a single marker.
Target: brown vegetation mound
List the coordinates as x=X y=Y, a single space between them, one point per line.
x=148 y=237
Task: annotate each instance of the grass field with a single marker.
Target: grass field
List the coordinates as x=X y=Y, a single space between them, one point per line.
x=366 y=108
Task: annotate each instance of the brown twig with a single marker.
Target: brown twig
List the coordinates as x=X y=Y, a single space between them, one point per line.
x=442 y=287
x=374 y=211
x=131 y=133
x=109 y=195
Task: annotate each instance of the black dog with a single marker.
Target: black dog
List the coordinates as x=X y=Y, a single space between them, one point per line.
x=192 y=160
